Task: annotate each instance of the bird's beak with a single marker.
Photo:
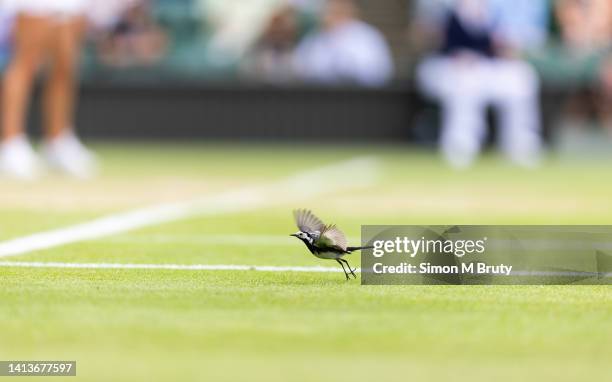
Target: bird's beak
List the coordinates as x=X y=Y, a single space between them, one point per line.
x=293 y=234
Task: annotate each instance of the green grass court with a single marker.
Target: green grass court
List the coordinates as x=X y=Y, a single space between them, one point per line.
x=123 y=324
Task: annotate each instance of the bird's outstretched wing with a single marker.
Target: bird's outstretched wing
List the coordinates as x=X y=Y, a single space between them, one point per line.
x=331 y=236
x=307 y=221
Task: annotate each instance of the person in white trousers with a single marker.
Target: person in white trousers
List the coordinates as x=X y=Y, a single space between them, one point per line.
x=465 y=87
x=469 y=74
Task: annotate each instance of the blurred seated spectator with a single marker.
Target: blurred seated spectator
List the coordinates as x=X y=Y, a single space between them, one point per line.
x=577 y=60
x=134 y=40
x=478 y=64
x=271 y=59
x=344 y=50
x=235 y=26
x=574 y=57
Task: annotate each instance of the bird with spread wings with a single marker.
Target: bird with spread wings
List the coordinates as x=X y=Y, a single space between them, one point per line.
x=325 y=241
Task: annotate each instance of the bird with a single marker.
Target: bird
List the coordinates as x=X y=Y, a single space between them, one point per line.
x=325 y=241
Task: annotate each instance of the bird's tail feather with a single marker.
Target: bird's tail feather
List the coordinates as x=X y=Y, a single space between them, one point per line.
x=352 y=249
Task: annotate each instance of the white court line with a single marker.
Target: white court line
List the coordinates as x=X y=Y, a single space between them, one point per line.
x=353 y=173
x=213 y=239
x=177 y=267
x=259 y=268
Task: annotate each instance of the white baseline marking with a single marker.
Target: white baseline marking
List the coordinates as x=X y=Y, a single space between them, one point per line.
x=259 y=268
x=177 y=267
x=348 y=174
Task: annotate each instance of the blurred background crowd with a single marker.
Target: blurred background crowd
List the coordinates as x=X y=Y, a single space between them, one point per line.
x=276 y=41
x=367 y=43
x=462 y=55
x=342 y=41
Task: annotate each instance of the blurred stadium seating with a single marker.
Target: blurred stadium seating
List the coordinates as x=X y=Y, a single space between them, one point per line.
x=194 y=97
x=256 y=109
x=189 y=31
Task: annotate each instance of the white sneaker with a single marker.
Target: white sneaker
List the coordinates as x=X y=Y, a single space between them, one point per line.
x=67 y=154
x=18 y=159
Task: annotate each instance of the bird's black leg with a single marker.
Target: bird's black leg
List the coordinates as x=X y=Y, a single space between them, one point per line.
x=344 y=270
x=349 y=267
